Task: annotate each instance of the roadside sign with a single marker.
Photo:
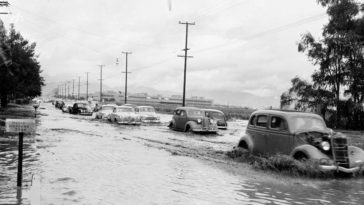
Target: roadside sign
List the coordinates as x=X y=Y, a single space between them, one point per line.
x=20 y=125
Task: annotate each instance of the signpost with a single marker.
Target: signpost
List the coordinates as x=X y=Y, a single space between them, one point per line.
x=20 y=126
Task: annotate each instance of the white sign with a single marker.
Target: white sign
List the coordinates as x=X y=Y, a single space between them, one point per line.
x=20 y=125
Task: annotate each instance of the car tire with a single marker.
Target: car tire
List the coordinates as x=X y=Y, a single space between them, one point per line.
x=300 y=156
x=189 y=129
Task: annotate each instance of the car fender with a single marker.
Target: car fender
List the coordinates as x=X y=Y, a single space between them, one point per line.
x=172 y=124
x=310 y=151
x=356 y=156
x=246 y=142
x=193 y=125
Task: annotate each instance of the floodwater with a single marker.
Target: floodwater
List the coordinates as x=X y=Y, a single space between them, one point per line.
x=80 y=160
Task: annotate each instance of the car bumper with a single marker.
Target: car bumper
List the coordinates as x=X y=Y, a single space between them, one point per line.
x=358 y=168
x=151 y=121
x=222 y=127
x=86 y=113
x=206 y=130
x=129 y=122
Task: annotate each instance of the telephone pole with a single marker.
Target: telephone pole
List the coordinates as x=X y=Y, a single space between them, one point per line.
x=101 y=82
x=87 y=85
x=126 y=75
x=73 y=89
x=185 y=56
x=68 y=89
x=65 y=91
x=78 y=95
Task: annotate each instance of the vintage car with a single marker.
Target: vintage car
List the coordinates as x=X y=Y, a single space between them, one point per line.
x=67 y=107
x=191 y=119
x=147 y=114
x=104 y=111
x=218 y=116
x=124 y=115
x=81 y=108
x=303 y=136
x=59 y=104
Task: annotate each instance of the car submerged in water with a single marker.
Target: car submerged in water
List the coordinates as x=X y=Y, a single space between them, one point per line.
x=124 y=115
x=303 y=136
x=191 y=119
x=81 y=108
x=147 y=114
x=104 y=111
x=218 y=116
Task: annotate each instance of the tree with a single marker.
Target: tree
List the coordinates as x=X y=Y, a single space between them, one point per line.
x=306 y=96
x=21 y=77
x=336 y=55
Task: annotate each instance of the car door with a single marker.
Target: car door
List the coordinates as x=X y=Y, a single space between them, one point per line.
x=182 y=120
x=278 y=140
x=177 y=119
x=259 y=133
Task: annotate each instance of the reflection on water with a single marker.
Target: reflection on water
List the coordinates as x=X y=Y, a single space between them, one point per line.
x=82 y=161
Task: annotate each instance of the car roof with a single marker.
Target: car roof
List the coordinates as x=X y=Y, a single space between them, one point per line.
x=108 y=105
x=213 y=110
x=188 y=108
x=124 y=106
x=143 y=106
x=286 y=113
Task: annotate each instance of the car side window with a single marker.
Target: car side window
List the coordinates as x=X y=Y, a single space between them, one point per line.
x=262 y=120
x=252 y=120
x=278 y=123
x=183 y=113
x=178 y=112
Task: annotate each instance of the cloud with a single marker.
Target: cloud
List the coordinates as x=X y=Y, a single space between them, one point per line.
x=237 y=45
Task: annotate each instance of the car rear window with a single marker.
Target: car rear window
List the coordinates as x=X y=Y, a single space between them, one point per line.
x=262 y=120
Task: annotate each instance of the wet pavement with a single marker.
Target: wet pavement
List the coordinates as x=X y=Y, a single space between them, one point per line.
x=80 y=160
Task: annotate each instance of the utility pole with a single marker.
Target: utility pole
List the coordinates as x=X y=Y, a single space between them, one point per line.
x=68 y=89
x=87 y=85
x=101 y=82
x=73 y=88
x=65 y=91
x=185 y=56
x=78 y=95
x=126 y=75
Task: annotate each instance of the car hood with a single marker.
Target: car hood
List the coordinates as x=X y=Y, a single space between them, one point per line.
x=126 y=114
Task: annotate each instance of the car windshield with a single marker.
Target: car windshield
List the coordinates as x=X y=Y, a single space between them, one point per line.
x=195 y=113
x=82 y=105
x=307 y=123
x=215 y=115
x=107 y=107
x=124 y=109
x=146 y=109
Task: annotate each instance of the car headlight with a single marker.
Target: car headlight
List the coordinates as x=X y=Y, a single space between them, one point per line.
x=198 y=120
x=325 y=145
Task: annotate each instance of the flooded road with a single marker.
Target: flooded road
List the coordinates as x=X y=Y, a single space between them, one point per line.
x=80 y=160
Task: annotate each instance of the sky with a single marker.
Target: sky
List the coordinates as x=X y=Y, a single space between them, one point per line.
x=237 y=45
